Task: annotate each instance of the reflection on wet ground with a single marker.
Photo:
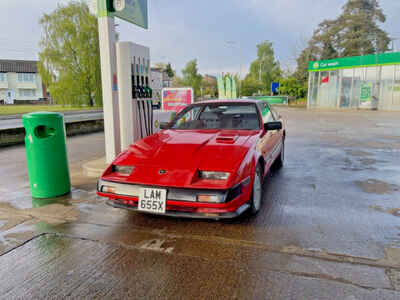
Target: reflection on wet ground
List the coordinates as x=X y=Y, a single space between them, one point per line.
x=328 y=229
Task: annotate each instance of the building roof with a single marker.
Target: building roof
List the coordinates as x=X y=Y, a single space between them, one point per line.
x=18 y=66
x=211 y=76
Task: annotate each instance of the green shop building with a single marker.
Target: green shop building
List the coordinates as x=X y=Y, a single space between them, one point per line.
x=370 y=82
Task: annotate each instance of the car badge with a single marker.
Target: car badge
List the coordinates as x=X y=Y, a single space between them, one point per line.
x=162 y=172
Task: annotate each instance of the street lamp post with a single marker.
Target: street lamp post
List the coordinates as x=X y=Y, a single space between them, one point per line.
x=393 y=39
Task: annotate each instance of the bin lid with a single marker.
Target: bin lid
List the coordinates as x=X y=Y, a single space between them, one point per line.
x=42 y=115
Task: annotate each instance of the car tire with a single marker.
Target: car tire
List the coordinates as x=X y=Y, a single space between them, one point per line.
x=279 y=161
x=257 y=191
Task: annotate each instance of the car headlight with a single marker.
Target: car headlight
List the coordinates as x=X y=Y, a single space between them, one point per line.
x=214 y=175
x=123 y=170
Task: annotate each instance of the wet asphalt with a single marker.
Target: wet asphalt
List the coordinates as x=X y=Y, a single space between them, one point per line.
x=329 y=227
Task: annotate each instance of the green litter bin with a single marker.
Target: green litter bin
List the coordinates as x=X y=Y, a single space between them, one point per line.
x=46 y=154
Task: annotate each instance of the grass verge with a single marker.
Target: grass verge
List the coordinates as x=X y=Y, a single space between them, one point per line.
x=23 y=109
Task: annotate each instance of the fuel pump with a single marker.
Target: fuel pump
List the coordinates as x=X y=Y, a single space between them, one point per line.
x=135 y=96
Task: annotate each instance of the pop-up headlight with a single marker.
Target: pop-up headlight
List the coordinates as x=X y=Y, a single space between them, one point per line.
x=214 y=175
x=123 y=170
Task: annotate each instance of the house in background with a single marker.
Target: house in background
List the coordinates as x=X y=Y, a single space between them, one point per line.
x=20 y=83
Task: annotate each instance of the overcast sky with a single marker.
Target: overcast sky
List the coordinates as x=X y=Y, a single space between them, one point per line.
x=181 y=30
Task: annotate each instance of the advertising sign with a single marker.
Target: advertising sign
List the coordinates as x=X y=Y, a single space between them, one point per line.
x=228 y=87
x=221 y=87
x=234 y=89
x=176 y=99
x=366 y=91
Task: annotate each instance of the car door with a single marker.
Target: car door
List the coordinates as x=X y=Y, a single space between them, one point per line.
x=266 y=142
x=276 y=135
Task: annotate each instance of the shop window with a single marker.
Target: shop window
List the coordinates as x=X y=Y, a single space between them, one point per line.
x=314 y=84
x=386 y=87
x=346 y=86
x=323 y=90
x=358 y=79
x=333 y=87
x=3 y=77
x=396 y=88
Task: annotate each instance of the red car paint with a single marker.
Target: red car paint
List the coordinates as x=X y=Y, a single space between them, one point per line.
x=182 y=153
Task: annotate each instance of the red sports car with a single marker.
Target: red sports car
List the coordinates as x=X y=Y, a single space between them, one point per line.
x=209 y=162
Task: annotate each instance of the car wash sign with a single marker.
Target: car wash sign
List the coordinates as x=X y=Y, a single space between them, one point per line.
x=380 y=59
x=132 y=11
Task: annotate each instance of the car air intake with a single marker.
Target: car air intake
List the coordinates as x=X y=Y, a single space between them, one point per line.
x=227 y=139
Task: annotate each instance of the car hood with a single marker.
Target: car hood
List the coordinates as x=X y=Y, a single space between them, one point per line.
x=180 y=154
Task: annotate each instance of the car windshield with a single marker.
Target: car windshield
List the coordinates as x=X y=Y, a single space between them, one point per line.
x=234 y=116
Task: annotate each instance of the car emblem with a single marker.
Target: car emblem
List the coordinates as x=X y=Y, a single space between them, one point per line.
x=162 y=172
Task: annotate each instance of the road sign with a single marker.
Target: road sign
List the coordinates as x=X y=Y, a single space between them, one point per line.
x=132 y=11
x=275 y=87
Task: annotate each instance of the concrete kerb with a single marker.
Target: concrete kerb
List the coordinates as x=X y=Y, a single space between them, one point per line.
x=95 y=168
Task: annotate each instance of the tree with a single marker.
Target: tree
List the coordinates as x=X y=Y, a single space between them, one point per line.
x=355 y=32
x=177 y=81
x=69 y=58
x=209 y=86
x=250 y=86
x=165 y=68
x=191 y=77
x=290 y=86
x=264 y=70
x=169 y=70
x=160 y=65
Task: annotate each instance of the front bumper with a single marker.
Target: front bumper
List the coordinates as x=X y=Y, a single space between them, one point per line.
x=186 y=214
x=180 y=202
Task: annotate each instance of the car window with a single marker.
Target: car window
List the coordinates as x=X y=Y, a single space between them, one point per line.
x=266 y=113
x=274 y=113
x=188 y=118
x=219 y=116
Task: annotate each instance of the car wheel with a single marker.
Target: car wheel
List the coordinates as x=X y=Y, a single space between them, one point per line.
x=256 y=193
x=281 y=158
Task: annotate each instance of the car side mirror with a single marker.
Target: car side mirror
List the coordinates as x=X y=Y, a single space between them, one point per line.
x=164 y=125
x=273 y=126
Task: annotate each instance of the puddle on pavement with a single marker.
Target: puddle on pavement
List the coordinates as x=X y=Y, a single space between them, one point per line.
x=2 y=223
x=20 y=222
x=392 y=255
x=393 y=211
x=374 y=186
x=358 y=153
x=394 y=277
x=16 y=235
x=51 y=212
x=159 y=245
x=359 y=165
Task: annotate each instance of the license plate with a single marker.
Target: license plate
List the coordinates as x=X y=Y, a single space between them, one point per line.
x=152 y=200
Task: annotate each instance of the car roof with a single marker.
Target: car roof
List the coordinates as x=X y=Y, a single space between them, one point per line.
x=246 y=101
